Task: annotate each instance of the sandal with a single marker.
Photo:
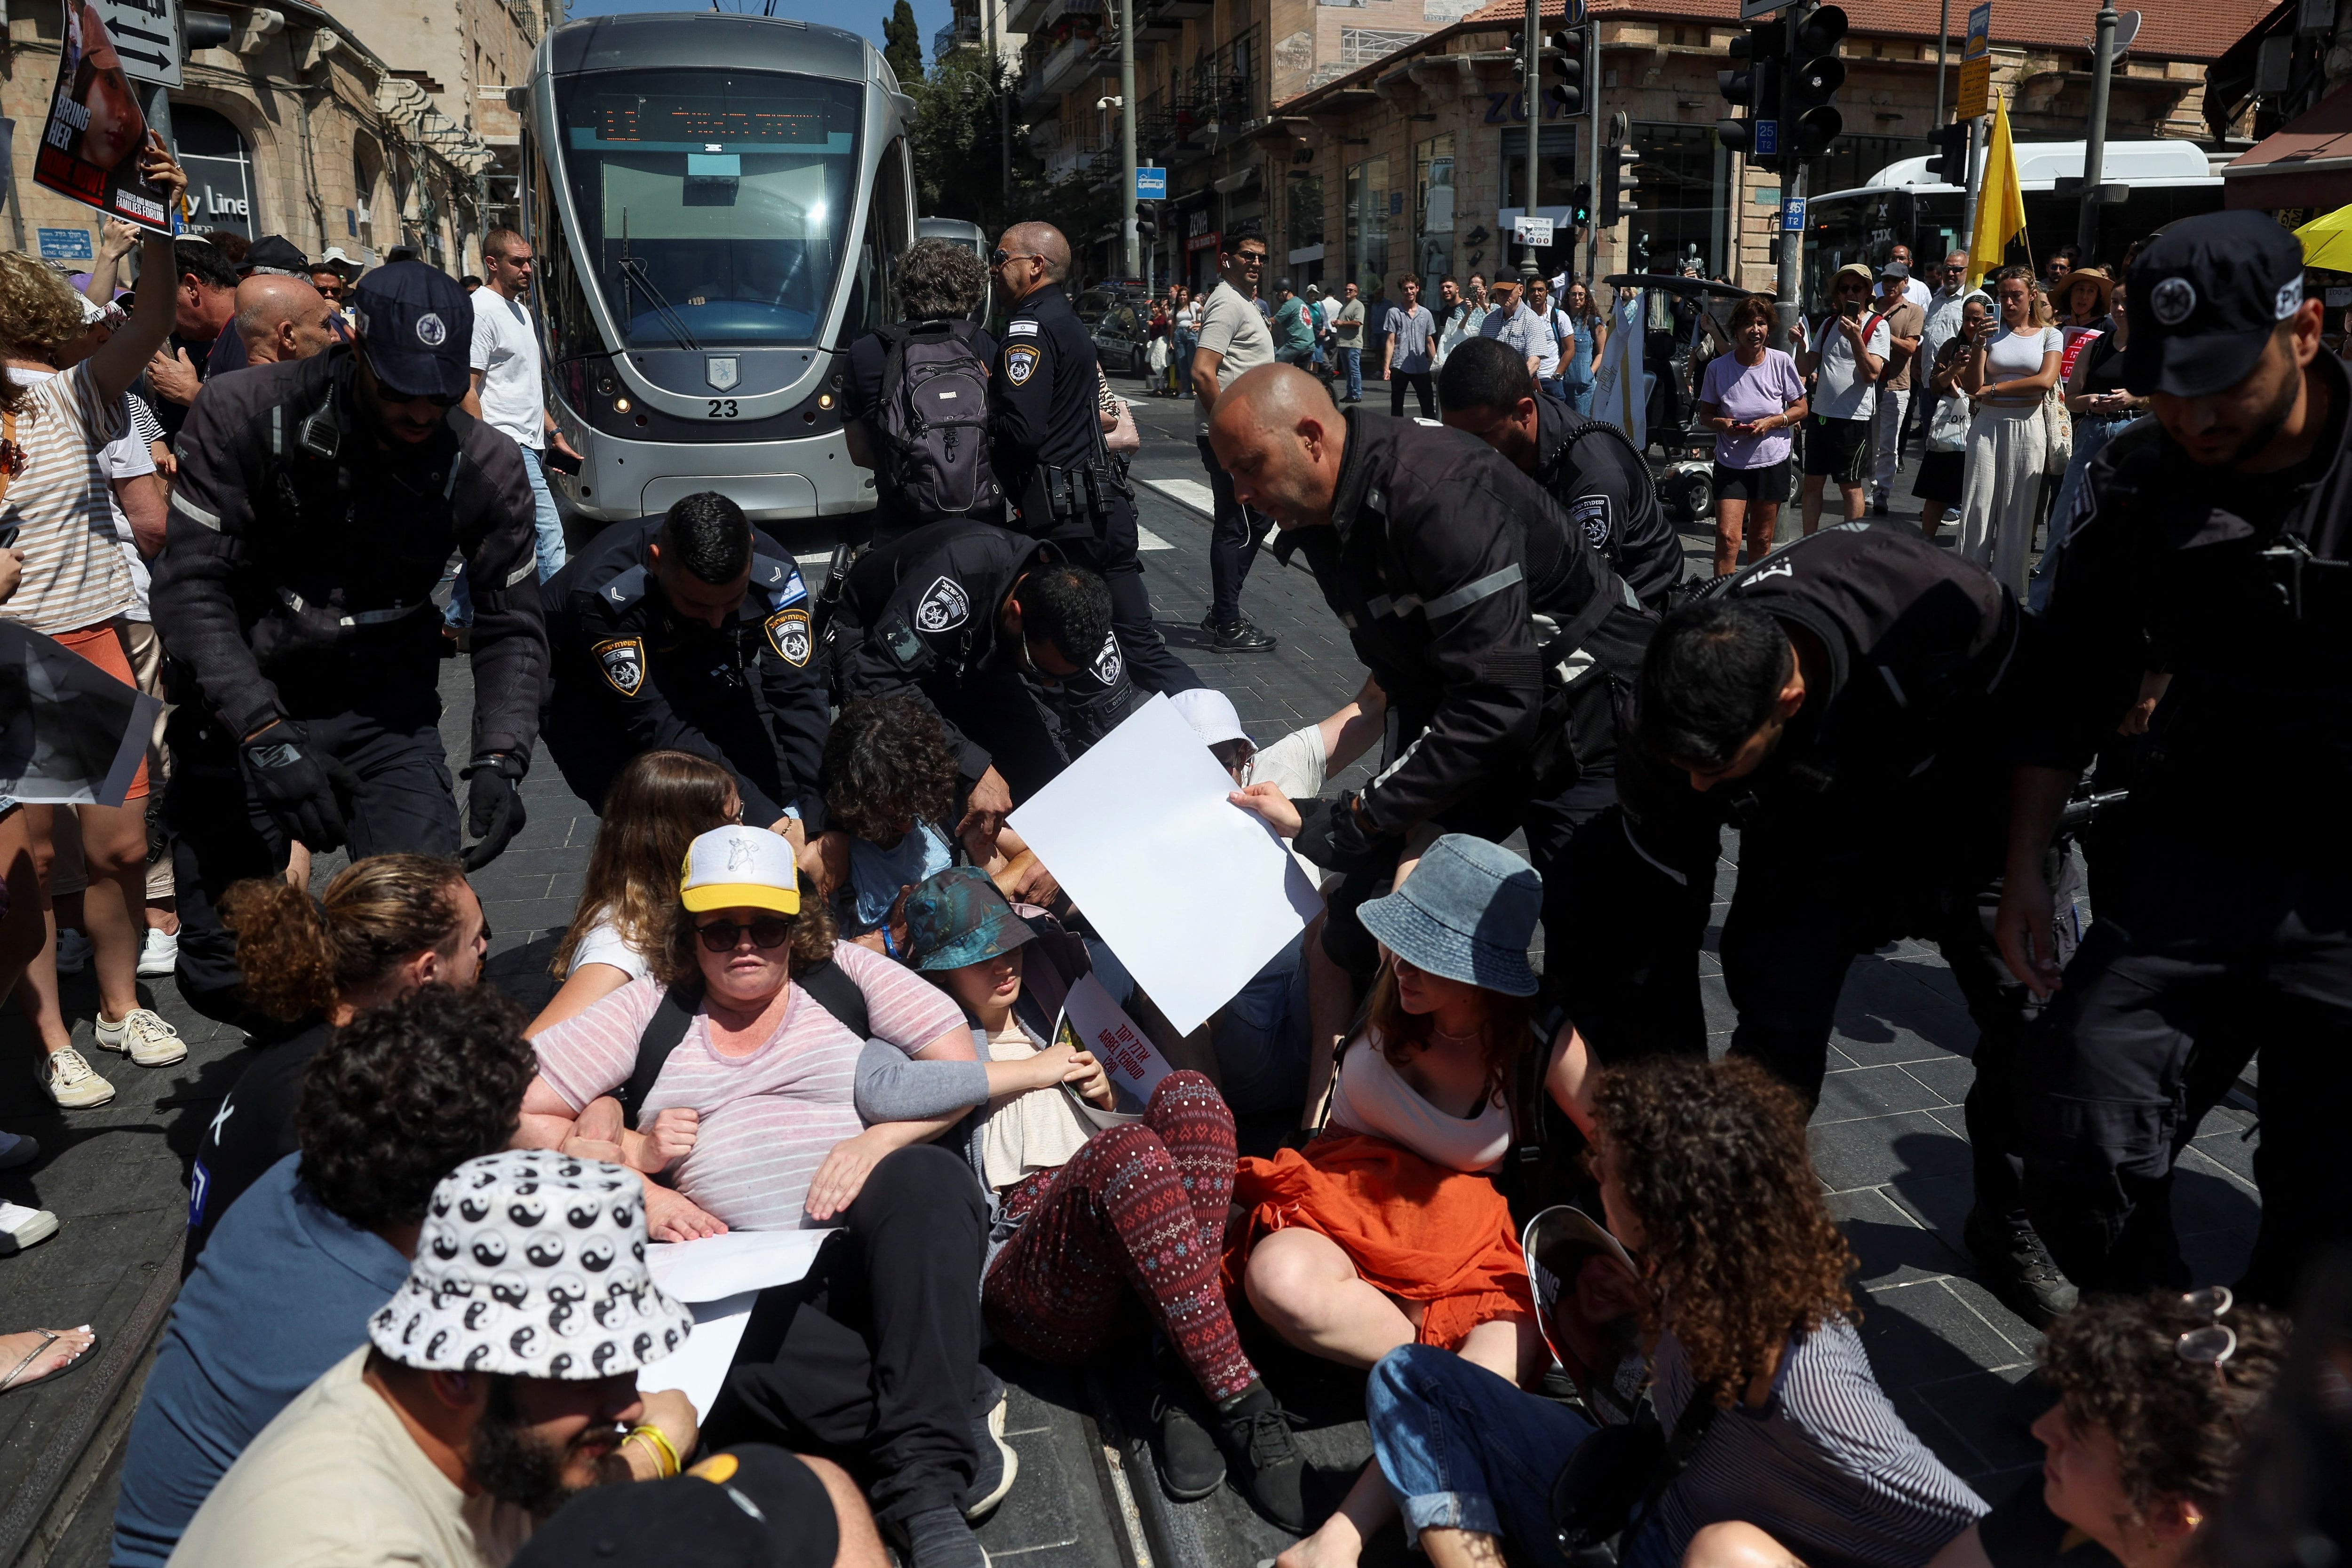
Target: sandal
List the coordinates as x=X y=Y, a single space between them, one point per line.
x=9 y=1381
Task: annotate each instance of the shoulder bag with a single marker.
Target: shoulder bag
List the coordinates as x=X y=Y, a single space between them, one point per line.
x=2057 y=432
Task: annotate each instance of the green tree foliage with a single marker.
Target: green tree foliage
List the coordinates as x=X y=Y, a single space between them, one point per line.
x=902 y=43
x=962 y=159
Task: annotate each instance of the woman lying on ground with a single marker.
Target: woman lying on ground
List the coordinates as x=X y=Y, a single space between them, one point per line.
x=1089 y=1205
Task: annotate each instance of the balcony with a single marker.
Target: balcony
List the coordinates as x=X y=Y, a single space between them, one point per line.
x=1024 y=16
x=1065 y=147
x=1057 y=68
x=963 y=33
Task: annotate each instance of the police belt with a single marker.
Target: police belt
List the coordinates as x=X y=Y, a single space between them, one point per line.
x=2310 y=585
x=1561 y=648
x=1062 y=493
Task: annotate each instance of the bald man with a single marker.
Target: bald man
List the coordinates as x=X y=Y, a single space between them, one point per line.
x=1046 y=428
x=279 y=318
x=1479 y=607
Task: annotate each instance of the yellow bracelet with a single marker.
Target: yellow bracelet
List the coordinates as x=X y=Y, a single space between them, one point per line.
x=665 y=1457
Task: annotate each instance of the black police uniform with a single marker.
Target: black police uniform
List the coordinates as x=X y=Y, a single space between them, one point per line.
x=2225 y=925
x=1605 y=487
x=1500 y=638
x=919 y=615
x=297 y=585
x=1882 y=813
x=1044 y=419
x=632 y=675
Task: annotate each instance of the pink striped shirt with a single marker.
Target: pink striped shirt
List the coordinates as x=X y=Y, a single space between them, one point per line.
x=770 y=1118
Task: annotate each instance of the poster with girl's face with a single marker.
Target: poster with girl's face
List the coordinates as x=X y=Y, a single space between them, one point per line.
x=90 y=145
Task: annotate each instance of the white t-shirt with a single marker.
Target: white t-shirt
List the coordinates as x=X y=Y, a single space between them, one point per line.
x=1917 y=292
x=506 y=351
x=1231 y=327
x=128 y=456
x=1839 y=394
x=2012 y=354
x=604 y=944
x=1296 y=763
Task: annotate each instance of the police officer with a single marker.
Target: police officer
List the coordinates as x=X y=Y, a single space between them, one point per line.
x=317 y=503
x=977 y=621
x=2213 y=542
x=1493 y=626
x=1044 y=417
x=690 y=633
x=1585 y=465
x=1847 y=703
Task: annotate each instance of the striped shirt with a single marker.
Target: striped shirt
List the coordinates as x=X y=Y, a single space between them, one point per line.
x=1826 y=1468
x=768 y=1119
x=62 y=506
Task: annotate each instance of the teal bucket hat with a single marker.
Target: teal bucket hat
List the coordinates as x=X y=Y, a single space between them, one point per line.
x=957 y=917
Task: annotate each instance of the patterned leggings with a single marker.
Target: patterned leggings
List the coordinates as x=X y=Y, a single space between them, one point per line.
x=1142 y=1205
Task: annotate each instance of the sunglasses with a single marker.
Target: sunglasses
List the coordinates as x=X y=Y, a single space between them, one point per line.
x=769 y=932
x=1001 y=255
x=2215 y=1342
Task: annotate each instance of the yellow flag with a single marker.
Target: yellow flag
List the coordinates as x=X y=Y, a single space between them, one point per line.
x=2001 y=203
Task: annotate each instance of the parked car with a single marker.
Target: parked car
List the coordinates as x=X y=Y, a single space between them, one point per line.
x=1121 y=324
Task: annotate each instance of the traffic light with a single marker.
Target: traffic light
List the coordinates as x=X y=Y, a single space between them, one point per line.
x=1146 y=224
x=1753 y=83
x=1580 y=205
x=1950 y=164
x=1809 y=120
x=1567 y=73
x=1617 y=180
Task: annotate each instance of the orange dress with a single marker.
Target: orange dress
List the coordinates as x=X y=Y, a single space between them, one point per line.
x=1414 y=1230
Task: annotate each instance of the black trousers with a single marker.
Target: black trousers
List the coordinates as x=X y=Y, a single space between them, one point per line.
x=401 y=799
x=1150 y=664
x=873 y=1359
x=1233 y=535
x=1420 y=382
x=2205 y=959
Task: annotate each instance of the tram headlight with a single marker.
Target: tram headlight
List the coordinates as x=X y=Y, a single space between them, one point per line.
x=620 y=405
x=824 y=400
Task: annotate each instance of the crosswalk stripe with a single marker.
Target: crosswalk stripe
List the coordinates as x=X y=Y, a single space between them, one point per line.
x=1145 y=539
x=1187 y=492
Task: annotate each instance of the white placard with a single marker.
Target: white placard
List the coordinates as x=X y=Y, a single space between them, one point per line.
x=1103 y=1028
x=717 y=1267
x=698 y=1368
x=1194 y=895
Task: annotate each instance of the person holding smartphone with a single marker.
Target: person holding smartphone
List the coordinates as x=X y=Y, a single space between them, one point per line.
x=1845 y=353
x=2102 y=405
x=1752 y=397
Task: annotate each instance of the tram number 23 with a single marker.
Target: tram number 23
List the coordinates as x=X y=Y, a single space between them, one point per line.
x=722 y=408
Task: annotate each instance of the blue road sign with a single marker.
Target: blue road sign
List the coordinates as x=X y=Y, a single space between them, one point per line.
x=1150 y=185
x=1792 y=215
x=65 y=244
x=1766 y=136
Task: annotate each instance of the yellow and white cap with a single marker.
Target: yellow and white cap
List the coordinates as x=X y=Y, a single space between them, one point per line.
x=740 y=868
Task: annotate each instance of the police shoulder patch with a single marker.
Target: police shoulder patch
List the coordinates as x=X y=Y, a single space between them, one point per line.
x=1108 y=665
x=1020 y=363
x=1592 y=512
x=623 y=660
x=946 y=606
x=788 y=635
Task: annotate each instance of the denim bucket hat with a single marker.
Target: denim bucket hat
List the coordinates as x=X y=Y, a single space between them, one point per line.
x=1467 y=913
x=957 y=917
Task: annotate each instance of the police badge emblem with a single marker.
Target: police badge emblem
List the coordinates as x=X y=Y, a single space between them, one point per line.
x=1108 y=663
x=1020 y=363
x=788 y=635
x=945 y=606
x=623 y=662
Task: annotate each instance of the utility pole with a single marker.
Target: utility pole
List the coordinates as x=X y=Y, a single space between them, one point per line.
x=1976 y=186
x=1788 y=284
x=1531 y=95
x=992 y=10
x=2094 y=154
x=1593 y=78
x=1130 y=262
x=1943 y=54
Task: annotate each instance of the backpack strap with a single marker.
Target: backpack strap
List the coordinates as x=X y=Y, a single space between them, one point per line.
x=832 y=988
x=662 y=1034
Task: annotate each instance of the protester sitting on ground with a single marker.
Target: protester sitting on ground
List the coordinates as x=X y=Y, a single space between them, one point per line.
x=763 y=1014
x=1704 y=1178
x=889 y=798
x=38 y=1354
x=398 y=1099
x=483 y=1397
x=1090 y=1204
x=752 y=1506
x=658 y=805
x=387 y=925
x=1387 y=1229
x=2156 y=1396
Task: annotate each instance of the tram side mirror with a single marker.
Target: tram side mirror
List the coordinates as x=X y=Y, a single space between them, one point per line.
x=519 y=99
x=712 y=179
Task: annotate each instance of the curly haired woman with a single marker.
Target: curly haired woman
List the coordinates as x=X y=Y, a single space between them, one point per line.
x=1704 y=1178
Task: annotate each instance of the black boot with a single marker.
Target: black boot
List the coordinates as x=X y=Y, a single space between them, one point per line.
x=1264 y=1464
x=2019 y=1269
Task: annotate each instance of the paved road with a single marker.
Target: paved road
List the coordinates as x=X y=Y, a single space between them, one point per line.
x=1889 y=1145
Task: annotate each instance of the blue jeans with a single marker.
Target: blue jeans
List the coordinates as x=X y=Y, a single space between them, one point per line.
x=1186 y=343
x=1352 y=361
x=1260 y=1037
x=1465 y=1449
x=2091 y=433
x=1579 y=397
x=549 y=524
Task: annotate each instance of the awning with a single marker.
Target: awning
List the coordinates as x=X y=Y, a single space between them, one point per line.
x=2307 y=163
x=1240 y=181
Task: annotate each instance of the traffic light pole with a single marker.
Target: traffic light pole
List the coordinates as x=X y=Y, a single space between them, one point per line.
x=1130 y=258
x=1592 y=78
x=1787 y=287
x=1531 y=95
x=2095 y=154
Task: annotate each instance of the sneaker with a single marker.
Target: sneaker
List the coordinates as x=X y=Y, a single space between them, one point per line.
x=20 y=1228
x=1265 y=1466
x=2019 y=1269
x=16 y=1149
x=143 y=1036
x=160 y=955
x=1241 y=637
x=73 y=951
x=1191 y=1466
x=73 y=1082
x=995 y=1468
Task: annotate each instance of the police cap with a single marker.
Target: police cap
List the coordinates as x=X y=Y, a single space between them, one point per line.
x=417 y=326
x=2206 y=294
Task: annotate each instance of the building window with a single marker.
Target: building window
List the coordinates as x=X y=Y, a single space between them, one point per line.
x=1684 y=179
x=1433 y=208
x=1557 y=172
x=219 y=166
x=1368 y=223
x=1304 y=208
x=1852 y=160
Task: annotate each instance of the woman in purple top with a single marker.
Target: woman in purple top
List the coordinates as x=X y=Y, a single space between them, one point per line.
x=1752 y=398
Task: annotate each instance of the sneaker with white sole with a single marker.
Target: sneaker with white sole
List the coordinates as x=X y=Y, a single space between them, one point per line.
x=73 y=1082
x=21 y=1227
x=73 y=951
x=159 y=954
x=143 y=1036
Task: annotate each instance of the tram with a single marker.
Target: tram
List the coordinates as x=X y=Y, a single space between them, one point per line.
x=715 y=201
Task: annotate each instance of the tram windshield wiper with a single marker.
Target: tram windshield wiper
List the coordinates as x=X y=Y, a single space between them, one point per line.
x=635 y=271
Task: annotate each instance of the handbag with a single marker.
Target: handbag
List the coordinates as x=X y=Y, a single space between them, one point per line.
x=2057 y=434
x=1123 y=439
x=1615 y=1479
x=1156 y=357
x=1947 y=430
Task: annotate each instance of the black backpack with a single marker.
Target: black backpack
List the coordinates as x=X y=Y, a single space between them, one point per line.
x=930 y=427
x=827 y=985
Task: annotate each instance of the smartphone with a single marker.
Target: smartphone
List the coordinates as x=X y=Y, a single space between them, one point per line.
x=8 y=535
x=562 y=462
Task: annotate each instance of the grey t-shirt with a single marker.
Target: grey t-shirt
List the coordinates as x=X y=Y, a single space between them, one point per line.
x=1411 y=332
x=1838 y=392
x=1350 y=323
x=1231 y=327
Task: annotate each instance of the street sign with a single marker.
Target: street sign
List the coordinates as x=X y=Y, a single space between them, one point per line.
x=1974 y=100
x=1980 y=39
x=1764 y=139
x=1150 y=185
x=1792 y=215
x=146 y=34
x=1751 y=9
x=1532 y=231
x=65 y=244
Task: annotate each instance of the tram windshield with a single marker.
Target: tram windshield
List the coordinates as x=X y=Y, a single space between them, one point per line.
x=714 y=206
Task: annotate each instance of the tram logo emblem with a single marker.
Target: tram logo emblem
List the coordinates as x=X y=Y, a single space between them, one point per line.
x=722 y=371
x=430 y=332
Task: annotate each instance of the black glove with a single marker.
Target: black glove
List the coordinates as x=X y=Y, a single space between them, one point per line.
x=1333 y=836
x=494 y=812
x=290 y=781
